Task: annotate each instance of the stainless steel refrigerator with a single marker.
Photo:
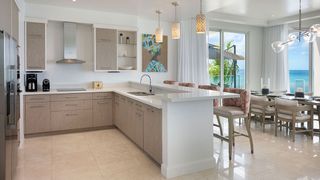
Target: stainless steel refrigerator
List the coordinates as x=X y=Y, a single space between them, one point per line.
x=9 y=106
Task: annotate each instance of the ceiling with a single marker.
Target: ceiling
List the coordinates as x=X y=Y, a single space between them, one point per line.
x=255 y=12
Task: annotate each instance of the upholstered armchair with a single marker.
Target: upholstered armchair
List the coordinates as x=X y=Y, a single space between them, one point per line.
x=234 y=108
x=215 y=103
x=261 y=106
x=291 y=112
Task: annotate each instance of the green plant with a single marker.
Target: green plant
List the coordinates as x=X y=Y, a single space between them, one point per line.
x=229 y=67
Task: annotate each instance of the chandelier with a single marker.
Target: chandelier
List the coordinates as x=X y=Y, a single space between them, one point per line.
x=308 y=35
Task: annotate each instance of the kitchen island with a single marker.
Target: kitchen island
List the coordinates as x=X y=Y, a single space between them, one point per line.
x=186 y=116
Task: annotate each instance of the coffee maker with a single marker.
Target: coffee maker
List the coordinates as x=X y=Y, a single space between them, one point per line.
x=31 y=83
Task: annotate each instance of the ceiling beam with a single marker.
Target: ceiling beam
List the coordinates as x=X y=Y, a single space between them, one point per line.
x=295 y=18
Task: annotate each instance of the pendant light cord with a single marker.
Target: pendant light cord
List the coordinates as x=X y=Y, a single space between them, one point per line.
x=300 y=19
x=158 y=12
x=200 y=6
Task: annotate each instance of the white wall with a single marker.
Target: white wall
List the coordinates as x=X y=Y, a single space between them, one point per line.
x=254 y=57
x=70 y=75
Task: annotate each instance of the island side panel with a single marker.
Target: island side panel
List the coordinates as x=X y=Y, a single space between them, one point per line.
x=187 y=137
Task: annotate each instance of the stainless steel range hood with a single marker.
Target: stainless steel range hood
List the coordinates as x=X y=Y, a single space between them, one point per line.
x=70 y=45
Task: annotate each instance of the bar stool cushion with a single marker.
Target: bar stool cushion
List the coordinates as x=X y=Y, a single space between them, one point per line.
x=228 y=111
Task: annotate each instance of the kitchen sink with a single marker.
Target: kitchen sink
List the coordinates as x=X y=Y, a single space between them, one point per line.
x=141 y=93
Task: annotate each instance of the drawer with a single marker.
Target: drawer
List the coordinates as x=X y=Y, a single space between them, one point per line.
x=71 y=97
x=65 y=120
x=98 y=96
x=71 y=105
x=37 y=98
x=37 y=117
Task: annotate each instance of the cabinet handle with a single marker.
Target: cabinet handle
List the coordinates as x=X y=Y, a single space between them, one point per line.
x=36 y=99
x=103 y=102
x=72 y=114
x=72 y=105
x=33 y=107
x=70 y=97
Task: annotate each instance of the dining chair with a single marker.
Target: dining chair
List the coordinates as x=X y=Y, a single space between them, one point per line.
x=234 y=108
x=186 y=84
x=261 y=106
x=171 y=82
x=215 y=103
x=291 y=112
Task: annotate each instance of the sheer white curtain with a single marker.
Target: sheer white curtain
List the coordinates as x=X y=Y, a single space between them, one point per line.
x=193 y=55
x=275 y=65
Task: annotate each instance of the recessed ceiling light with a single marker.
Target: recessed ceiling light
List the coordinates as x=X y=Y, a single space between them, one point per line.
x=74 y=0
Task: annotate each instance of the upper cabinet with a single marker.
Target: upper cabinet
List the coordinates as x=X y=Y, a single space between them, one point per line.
x=114 y=49
x=127 y=50
x=15 y=21
x=36 y=46
x=9 y=18
x=5 y=15
x=105 y=49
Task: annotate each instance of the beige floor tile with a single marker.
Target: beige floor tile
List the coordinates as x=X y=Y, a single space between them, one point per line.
x=109 y=155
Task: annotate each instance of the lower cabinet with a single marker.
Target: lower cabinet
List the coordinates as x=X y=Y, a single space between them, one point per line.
x=102 y=112
x=141 y=123
x=137 y=124
x=152 y=128
x=37 y=117
x=66 y=120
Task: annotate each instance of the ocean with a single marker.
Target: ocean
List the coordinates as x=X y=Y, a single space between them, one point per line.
x=297 y=77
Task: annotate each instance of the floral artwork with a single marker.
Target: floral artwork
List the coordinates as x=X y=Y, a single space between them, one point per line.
x=154 y=55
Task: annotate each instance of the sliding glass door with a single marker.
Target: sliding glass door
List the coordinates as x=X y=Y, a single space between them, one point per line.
x=233 y=70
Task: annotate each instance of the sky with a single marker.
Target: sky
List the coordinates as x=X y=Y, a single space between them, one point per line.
x=239 y=39
x=298 y=55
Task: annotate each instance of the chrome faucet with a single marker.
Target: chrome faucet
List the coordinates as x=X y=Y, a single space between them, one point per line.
x=150 y=86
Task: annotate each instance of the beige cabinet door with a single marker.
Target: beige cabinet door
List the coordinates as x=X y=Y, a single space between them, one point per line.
x=116 y=110
x=37 y=117
x=102 y=112
x=137 y=125
x=123 y=114
x=66 y=120
x=129 y=120
x=106 y=49
x=36 y=46
x=153 y=133
x=15 y=21
x=5 y=15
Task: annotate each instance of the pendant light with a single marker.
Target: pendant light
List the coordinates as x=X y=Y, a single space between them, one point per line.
x=201 y=24
x=159 y=30
x=175 y=30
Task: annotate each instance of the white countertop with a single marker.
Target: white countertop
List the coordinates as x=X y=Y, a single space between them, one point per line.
x=163 y=93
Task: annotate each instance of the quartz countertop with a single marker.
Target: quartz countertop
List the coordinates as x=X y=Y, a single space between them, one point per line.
x=163 y=93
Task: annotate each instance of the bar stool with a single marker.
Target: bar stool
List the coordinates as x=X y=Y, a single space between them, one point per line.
x=234 y=108
x=171 y=82
x=185 y=84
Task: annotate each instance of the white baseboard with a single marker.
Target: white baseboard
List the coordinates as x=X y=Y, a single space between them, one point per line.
x=183 y=169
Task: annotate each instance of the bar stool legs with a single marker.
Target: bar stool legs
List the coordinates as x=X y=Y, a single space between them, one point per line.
x=231 y=136
x=219 y=125
x=247 y=121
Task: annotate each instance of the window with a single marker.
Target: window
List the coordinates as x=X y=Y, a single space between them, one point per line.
x=299 y=58
x=234 y=64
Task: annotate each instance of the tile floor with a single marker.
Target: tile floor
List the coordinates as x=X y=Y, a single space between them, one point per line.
x=109 y=155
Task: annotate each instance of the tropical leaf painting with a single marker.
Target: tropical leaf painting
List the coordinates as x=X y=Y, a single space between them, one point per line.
x=154 y=55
